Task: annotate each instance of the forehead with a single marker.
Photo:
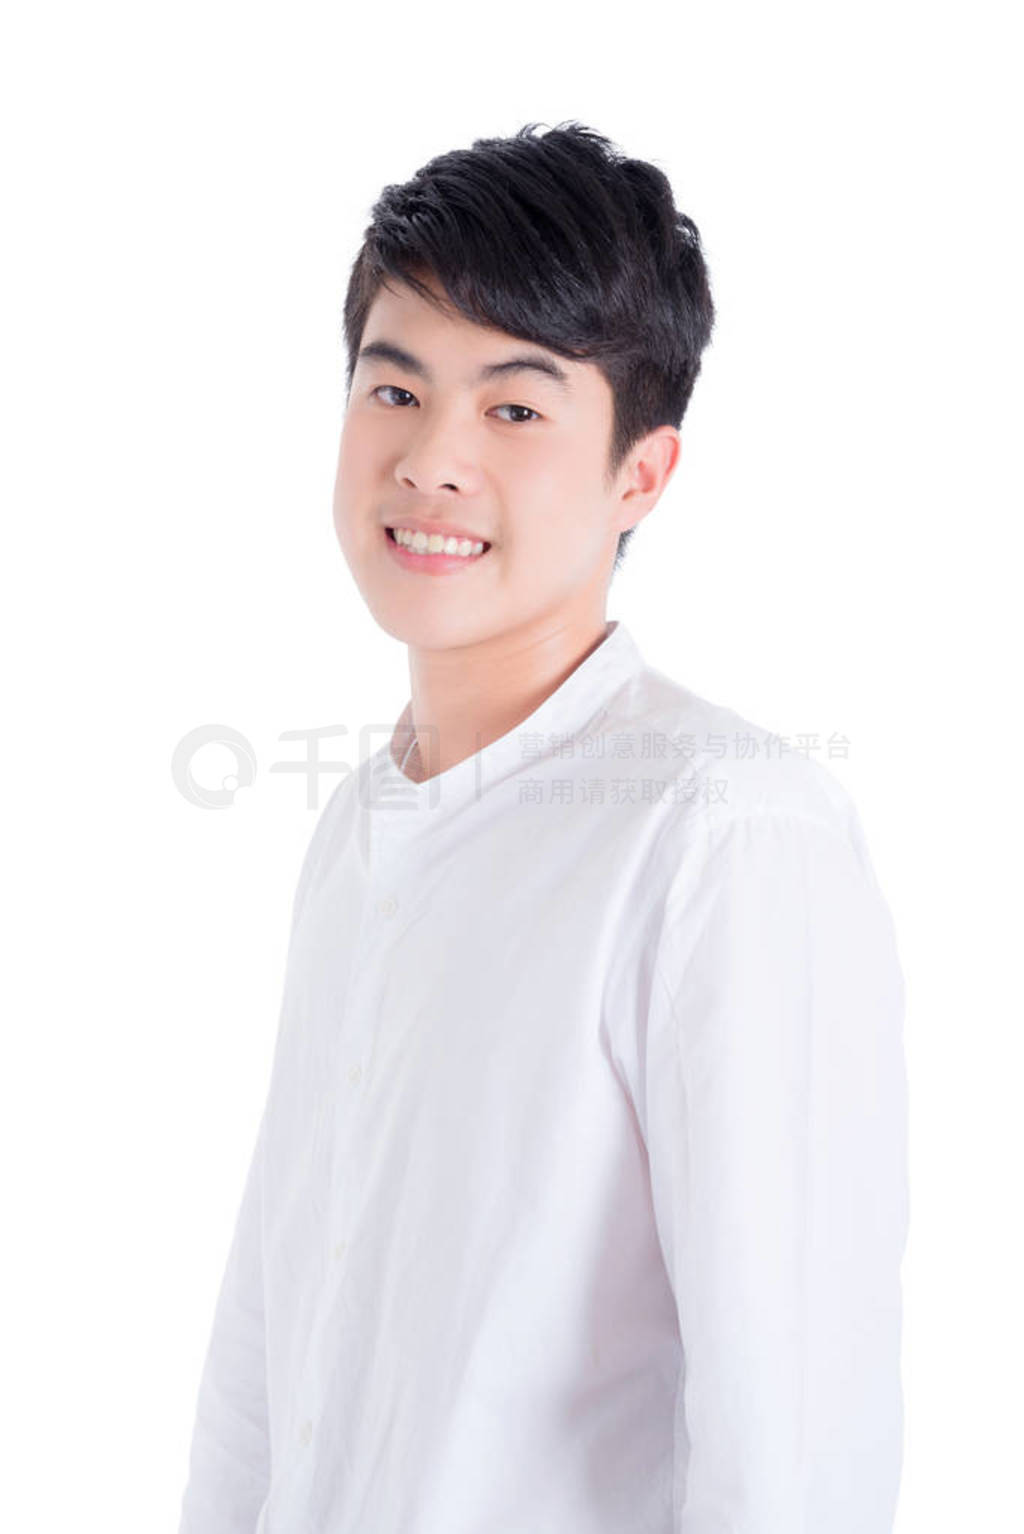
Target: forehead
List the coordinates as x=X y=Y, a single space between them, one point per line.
x=434 y=340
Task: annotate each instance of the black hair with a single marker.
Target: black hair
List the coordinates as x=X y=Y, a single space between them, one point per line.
x=559 y=240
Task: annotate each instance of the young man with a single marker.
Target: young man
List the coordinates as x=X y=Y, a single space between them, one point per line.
x=578 y=1202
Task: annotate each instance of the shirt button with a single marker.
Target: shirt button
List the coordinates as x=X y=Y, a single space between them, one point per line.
x=355 y=1075
x=388 y=906
x=306 y=1431
x=339 y=1250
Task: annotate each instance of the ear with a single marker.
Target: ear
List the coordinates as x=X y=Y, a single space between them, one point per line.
x=647 y=470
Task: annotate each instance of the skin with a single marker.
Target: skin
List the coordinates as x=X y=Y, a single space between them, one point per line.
x=486 y=645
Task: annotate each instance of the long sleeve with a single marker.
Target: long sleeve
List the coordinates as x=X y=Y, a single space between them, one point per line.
x=776 y=1128
x=229 y=1464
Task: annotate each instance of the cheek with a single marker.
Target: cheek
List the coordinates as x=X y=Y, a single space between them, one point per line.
x=352 y=457
x=353 y=478
x=560 y=474
x=539 y=491
x=559 y=507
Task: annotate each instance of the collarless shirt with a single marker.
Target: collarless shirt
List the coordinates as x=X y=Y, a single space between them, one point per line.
x=578 y=1200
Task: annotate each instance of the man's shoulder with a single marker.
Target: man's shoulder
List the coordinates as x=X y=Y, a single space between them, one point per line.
x=720 y=765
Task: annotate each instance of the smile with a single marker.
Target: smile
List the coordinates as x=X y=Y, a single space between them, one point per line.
x=433 y=554
x=436 y=543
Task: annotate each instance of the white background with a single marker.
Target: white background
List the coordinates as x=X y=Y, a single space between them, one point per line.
x=184 y=190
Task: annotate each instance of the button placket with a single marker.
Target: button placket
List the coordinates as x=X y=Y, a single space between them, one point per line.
x=385 y=907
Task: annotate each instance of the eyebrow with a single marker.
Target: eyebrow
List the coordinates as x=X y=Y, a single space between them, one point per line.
x=527 y=362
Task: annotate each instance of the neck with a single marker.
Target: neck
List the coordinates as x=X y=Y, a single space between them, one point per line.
x=465 y=697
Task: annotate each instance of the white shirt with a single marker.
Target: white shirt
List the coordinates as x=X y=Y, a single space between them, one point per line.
x=579 y=1197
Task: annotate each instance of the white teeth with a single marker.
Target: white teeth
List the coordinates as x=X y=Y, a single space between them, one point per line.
x=435 y=543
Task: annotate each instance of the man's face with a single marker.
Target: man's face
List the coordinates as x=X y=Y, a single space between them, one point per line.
x=516 y=458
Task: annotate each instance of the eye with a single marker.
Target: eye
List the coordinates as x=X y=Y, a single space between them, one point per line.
x=534 y=413
x=394 y=389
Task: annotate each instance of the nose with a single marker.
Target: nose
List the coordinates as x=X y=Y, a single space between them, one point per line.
x=431 y=460
x=423 y=485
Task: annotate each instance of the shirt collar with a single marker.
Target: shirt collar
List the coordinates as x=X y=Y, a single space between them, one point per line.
x=584 y=693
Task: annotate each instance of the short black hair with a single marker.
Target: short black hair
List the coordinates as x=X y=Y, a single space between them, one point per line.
x=561 y=240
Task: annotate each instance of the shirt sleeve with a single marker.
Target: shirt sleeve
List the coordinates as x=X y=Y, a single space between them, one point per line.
x=229 y=1463
x=775 y=1114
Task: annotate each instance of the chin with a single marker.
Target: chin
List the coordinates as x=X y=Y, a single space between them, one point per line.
x=414 y=625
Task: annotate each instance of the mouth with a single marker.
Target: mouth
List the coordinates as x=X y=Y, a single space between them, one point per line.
x=440 y=562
